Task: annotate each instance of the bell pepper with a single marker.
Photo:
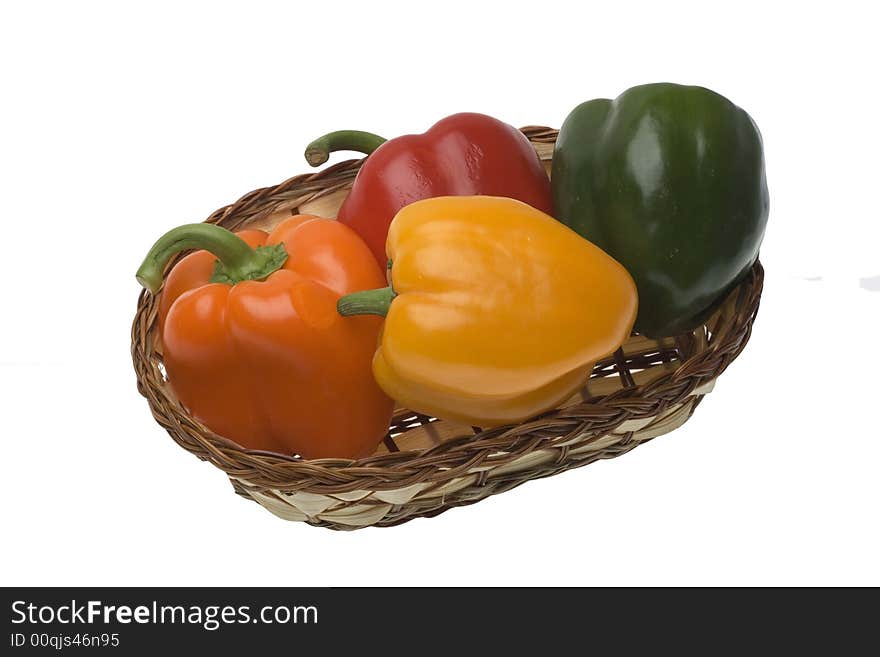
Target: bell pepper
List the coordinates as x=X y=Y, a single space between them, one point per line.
x=670 y=181
x=496 y=311
x=463 y=154
x=253 y=345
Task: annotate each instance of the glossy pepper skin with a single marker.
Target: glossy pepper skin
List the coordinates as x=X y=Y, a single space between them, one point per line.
x=669 y=180
x=461 y=155
x=269 y=363
x=496 y=311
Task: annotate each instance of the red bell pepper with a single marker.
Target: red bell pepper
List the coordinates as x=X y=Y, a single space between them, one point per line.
x=462 y=155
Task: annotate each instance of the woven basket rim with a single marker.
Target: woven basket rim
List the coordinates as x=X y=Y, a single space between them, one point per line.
x=729 y=327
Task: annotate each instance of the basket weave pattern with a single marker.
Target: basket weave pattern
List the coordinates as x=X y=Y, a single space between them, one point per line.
x=426 y=466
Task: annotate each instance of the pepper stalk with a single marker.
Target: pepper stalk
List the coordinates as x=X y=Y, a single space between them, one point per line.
x=319 y=150
x=236 y=260
x=366 y=302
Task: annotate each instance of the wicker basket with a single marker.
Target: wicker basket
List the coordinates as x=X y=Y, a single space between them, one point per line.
x=426 y=466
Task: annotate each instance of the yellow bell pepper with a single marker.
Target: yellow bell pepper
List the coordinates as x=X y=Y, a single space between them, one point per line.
x=496 y=311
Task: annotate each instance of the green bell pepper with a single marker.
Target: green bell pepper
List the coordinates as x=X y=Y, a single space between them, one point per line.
x=669 y=180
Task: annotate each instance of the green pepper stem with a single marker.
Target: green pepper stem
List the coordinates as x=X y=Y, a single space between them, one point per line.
x=367 y=302
x=319 y=150
x=237 y=261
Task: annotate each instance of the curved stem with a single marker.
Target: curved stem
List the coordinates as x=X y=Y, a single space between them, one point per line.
x=237 y=261
x=319 y=150
x=367 y=302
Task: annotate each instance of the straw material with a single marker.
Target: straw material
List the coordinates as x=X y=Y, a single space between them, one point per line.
x=426 y=466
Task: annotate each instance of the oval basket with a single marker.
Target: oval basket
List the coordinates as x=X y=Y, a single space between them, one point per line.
x=426 y=466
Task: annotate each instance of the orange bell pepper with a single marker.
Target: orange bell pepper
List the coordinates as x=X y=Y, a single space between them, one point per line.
x=253 y=345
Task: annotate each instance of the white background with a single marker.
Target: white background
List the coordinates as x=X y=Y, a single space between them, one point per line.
x=119 y=122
